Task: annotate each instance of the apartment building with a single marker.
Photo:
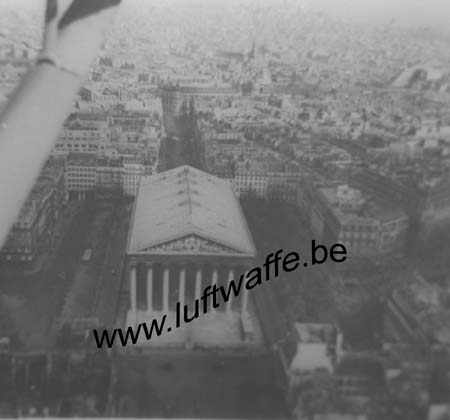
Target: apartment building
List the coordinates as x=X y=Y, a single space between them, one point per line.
x=33 y=232
x=367 y=228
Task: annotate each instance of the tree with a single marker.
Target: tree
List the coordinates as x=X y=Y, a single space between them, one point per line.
x=314 y=394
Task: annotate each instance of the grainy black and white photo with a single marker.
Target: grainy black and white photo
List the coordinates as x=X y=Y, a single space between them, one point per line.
x=225 y=209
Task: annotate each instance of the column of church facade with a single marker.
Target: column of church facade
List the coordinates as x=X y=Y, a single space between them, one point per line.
x=200 y=284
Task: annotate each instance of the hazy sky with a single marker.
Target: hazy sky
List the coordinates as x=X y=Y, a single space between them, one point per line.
x=415 y=12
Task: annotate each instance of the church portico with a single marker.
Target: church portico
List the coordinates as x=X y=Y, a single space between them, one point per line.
x=158 y=287
x=188 y=238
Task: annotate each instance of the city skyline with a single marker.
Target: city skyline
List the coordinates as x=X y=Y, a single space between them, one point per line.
x=206 y=141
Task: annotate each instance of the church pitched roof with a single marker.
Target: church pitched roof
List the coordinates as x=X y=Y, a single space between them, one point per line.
x=188 y=203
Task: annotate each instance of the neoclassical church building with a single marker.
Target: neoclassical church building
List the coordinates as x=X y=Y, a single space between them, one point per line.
x=188 y=231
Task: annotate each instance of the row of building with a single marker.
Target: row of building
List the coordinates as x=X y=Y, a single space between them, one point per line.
x=78 y=176
x=34 y=229
x=372 y=214
x=364 y=225
x=88 y=174
x=276 y=180
x=103 y=132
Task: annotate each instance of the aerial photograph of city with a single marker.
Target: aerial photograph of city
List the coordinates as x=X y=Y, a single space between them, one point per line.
x=216 y=209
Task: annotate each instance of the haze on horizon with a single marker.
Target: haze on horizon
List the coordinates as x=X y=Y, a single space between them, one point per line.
x=435 y=13
x=432 y=13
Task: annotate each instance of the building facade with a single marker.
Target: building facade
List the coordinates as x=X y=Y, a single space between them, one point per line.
x=365 y=227
x=132 y=174
x=81 y=175
x=33 y=232
x=266 y=180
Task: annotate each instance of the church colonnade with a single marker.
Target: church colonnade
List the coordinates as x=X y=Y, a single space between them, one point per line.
x=158 y=287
